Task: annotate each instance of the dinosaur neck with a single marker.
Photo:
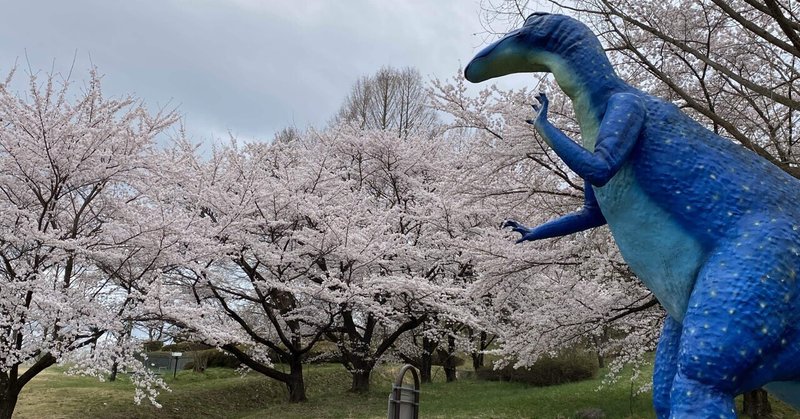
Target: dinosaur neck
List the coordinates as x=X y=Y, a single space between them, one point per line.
x=586 y=76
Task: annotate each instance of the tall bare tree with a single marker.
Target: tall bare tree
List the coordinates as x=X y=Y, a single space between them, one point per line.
x=390 y=100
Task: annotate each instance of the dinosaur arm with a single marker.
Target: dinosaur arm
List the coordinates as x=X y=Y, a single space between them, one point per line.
x=616 y=137
x=587 y=217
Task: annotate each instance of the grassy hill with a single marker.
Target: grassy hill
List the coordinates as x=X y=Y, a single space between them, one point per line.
x=222 y=393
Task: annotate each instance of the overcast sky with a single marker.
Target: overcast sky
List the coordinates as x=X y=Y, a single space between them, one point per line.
x=251 y=67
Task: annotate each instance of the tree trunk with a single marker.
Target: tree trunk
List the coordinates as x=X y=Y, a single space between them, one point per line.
x=756 y=404
x=598 y=343
x=114 y=369
x=296 y=385
x=477 y=356
x=426 y=360
x=11 y=383
x=361 y=380
x=293 y=380
x=425 y=368
x=450 y=361
x=477 y=360
x=450 y=371
x=8 y=399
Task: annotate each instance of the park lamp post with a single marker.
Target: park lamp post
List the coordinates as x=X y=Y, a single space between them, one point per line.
x=177 y=356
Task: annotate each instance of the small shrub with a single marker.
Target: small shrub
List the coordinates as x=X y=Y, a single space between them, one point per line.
x=200 y=360
x=184 y=347
x=219 y=359
x=211 y=358
x=323 y=352
x=152 y=345
x=440 y=358
x=491 y=374
x=569 y=366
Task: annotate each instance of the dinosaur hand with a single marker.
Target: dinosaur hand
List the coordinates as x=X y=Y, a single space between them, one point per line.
x=540 y=109
x=517 y=228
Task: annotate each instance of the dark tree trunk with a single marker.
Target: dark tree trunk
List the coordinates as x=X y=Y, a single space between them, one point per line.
x=293 y=380
x=425 y=369
x=477 y=356
x=114 y=369
x=11 y=383
x=598 y=343
x=426 y=360
x=295 y=384
x=450 y=372
x=450 y=361
x=477 y=360
x=359 y=357
x=361 y=380
x=756 y=404
x=8 y=399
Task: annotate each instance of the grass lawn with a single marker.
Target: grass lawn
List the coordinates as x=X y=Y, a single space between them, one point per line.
x=222 y=393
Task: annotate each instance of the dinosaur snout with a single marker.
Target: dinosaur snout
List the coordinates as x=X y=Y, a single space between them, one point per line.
x=483 y=66
x=511 y=54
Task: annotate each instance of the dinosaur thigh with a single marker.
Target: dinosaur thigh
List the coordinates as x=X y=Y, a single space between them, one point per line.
x=739 y=320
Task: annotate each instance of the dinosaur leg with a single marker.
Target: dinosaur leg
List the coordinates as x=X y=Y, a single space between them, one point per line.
x=666 y=365
x=735 y=319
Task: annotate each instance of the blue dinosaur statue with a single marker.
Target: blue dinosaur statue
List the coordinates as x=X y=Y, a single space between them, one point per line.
x=712 y=229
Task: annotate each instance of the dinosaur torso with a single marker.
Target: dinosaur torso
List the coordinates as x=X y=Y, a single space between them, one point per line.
x=685 y=196
x=681 y=191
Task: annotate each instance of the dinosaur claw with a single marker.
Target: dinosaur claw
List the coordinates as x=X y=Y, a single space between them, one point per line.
x=515 y=227
x=542 y=99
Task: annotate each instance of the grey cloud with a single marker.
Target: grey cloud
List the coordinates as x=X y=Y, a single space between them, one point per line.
x=251 y=67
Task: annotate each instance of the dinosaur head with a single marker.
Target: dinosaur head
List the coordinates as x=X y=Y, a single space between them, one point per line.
x=534 y=47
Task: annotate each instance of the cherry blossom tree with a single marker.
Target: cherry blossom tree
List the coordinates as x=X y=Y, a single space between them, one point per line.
x=250 y=286
x=82 y=243
x=406 y=187
x=345 y=234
